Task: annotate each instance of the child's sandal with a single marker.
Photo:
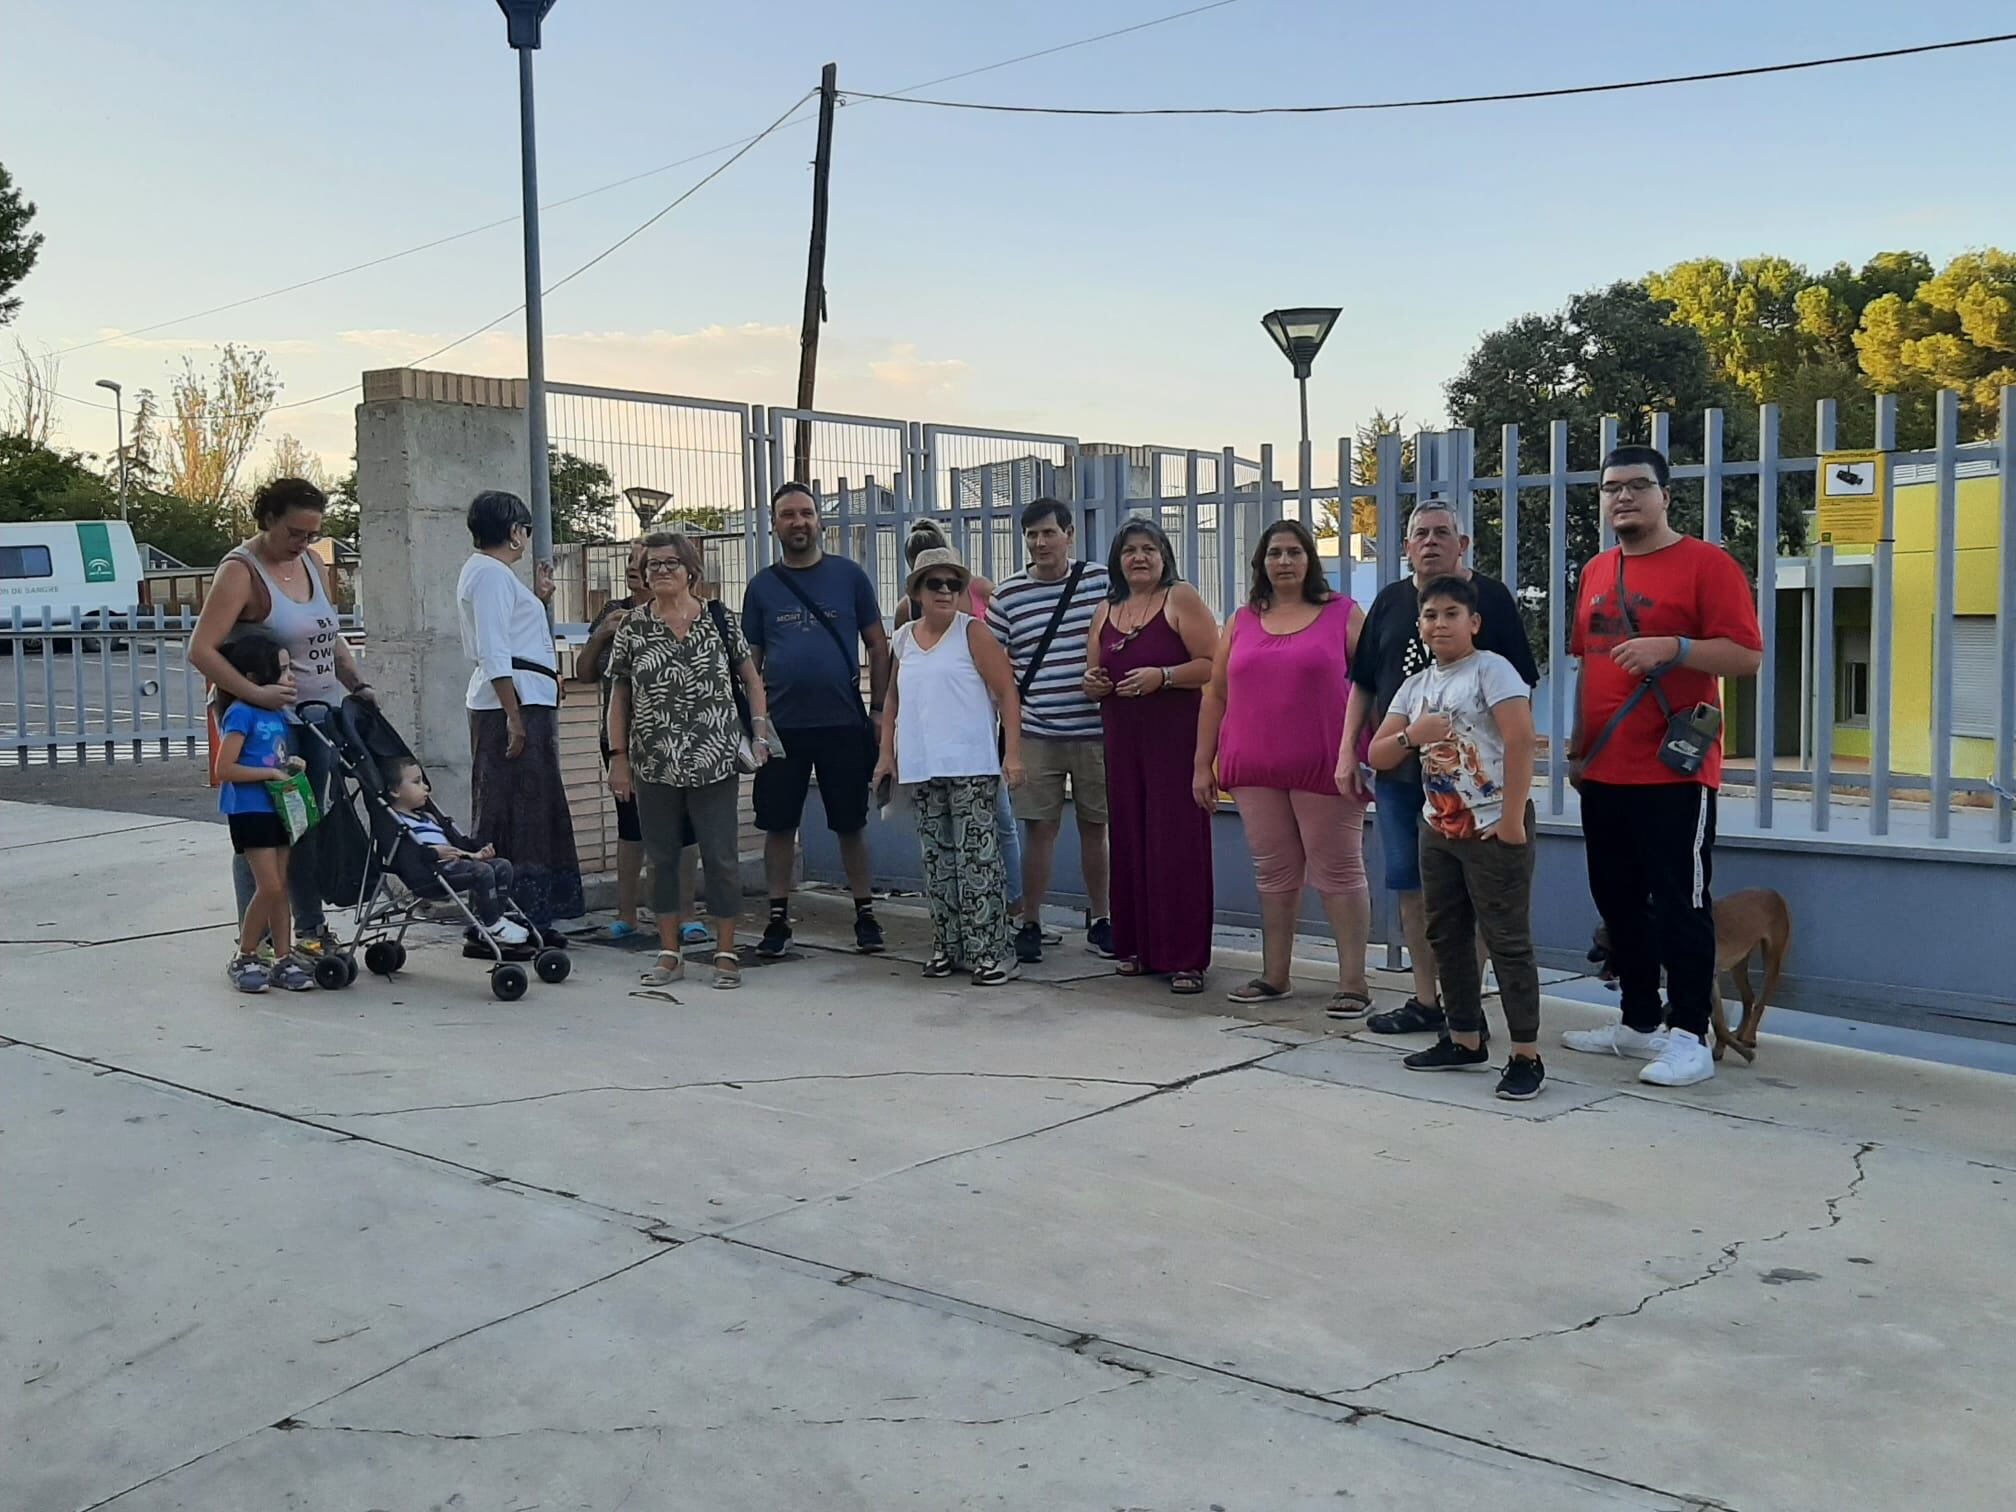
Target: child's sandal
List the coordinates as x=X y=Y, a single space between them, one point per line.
x=727 y=970
x=671 y=968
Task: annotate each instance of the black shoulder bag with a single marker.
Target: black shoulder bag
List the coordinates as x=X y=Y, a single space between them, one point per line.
x=1028 y=679
x=1690 y=733
x=850 y=659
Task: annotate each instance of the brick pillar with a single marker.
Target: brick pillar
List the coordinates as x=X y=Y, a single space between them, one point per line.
x=427 y=443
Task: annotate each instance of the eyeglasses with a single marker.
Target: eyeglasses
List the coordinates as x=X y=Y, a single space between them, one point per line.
x=1636 y=487
x=663 y=564
x=303 y=537
x=941 y=585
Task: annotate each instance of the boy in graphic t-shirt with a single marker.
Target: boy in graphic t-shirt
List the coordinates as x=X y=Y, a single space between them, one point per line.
x=1469 y=717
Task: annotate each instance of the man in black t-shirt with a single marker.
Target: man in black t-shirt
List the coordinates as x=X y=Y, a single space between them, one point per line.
x=1389 y=652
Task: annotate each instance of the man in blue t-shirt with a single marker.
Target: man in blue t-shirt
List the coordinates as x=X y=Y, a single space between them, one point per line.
x=805 y=617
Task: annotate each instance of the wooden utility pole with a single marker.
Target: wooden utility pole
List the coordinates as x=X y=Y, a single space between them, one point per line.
x=815 y=272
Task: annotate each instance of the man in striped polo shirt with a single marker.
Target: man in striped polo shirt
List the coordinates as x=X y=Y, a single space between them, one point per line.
x=1063 y=741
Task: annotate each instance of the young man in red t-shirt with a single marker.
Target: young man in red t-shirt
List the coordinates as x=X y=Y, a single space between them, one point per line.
x=1665 y=606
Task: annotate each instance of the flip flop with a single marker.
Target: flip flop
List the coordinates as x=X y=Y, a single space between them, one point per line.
x=1347 y=1005
x=1258 y=991
x=619 y=931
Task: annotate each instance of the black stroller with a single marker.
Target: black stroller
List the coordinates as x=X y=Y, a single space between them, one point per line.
x=364 y=854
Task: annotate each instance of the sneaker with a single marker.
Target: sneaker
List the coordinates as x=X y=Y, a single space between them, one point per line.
x=1029 y=944
x=1099 y=939
x=1411 y=1017
x=996 y=974
x=311 y=948
x=939 y=966
x=1446 y=1055
x=867 y=933
x=1683 y=1060
x=776 y=938
x=246 y=974
x=289 y=976
x=1521 y=1078
x=508 y=932
x=1616 y=1039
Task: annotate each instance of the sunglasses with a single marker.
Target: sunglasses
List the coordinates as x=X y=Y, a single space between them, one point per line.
x=941 y=585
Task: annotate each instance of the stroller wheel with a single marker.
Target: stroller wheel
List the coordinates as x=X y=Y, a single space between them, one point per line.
x=349 y=970
x=553 y=965
x=508 y=981
x=334 y=972
x=384 y=957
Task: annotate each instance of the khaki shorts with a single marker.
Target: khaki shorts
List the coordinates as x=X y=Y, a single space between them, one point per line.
x=1046 y=764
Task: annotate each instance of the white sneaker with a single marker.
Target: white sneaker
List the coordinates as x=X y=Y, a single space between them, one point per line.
x=1683 y=1061
x=508 y=932
x=1615 y=1039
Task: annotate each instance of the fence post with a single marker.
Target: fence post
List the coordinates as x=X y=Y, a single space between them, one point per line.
x=1193 y=569
x=1228 y=537
x=1881 y=615
x=1767 y=608
x=1508 y=508
x=1711 y=476
x=1557 y=617
x=1946 y=460
x=1464 y=449
x=2005 y=625
x=1823 y=686
x=1606 y=441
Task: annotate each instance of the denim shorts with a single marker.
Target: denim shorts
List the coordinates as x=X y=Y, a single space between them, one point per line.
x=1399 y=821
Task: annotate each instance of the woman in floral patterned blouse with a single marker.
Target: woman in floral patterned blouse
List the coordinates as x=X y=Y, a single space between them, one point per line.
x=676 y=734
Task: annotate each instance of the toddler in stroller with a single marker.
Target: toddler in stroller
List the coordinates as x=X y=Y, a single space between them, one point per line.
x=464 y=866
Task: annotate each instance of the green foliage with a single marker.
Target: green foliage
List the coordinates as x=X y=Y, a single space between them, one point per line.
x=1956 y=330
x=189 y=532
x=584 y=498
x=340 y=521
x=40 y=483
x=19 y=246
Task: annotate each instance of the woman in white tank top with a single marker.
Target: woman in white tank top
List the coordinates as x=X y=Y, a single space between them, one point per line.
x=952 y=691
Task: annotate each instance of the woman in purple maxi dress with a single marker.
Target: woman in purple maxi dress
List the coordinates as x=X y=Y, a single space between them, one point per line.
x=1149 y=657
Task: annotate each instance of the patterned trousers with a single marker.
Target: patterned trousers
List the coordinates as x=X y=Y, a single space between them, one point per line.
x=963 y=874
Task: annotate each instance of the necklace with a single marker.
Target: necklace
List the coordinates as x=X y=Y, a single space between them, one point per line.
x=1126 y=635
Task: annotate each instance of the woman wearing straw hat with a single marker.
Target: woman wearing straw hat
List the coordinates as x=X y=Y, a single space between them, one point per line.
x=952 y=690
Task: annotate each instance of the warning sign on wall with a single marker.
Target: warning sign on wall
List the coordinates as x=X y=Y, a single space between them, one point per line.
x=1850 y=498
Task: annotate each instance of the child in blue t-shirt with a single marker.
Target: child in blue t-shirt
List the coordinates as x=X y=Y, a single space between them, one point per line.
x=254 y=751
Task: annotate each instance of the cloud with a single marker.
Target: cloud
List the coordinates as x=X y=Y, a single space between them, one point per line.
x=110 y=336
x=903 y=370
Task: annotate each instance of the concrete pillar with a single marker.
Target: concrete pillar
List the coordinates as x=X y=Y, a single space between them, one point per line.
x=427 y=443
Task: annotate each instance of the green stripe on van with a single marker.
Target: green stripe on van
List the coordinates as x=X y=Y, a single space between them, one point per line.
x=95 y=543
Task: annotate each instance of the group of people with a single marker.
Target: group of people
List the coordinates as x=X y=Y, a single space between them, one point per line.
x=1113 y=686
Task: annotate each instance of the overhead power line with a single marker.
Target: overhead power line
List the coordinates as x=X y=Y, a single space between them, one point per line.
x=511 y=220
x=1426 y=104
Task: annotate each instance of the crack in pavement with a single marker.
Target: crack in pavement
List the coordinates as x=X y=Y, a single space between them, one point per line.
x=295 y=1425
x=1718 y=1266
x=738 y=1083
x=159 y=934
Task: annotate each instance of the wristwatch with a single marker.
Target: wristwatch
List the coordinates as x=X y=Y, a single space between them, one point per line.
x=1405 y=743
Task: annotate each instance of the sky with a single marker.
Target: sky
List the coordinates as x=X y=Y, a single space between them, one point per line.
x=1096 y=278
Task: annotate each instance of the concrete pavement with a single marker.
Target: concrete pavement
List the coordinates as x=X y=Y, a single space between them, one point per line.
x=854 y=1239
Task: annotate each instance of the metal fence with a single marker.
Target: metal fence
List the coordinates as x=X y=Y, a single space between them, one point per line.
x=122 y=689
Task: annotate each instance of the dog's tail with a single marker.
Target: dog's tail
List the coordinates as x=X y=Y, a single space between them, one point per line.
x=1777 y=945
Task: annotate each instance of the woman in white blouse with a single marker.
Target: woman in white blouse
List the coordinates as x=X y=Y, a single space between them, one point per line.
x=517 y=794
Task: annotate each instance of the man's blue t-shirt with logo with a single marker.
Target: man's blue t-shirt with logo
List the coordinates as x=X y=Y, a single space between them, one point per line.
x=265 y=735
x=811 y=685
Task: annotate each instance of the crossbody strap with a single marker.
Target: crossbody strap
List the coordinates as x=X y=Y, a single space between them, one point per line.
x=1649 y=685
x=719 y=615
x=1028 y=678
x=852 y=662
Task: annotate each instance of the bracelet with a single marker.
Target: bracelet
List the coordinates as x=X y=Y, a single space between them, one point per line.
x=1680 y=656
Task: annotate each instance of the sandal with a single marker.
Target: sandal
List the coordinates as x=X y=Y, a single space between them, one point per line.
x=1259 y=990
x=727 y=970
x=671 y=968
x=1347 y=1005
x=1186 y=983
x=1129 y=968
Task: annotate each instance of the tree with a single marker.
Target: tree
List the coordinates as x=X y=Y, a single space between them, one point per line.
x=290 y=458
x=584 y=498
x=1365 y=473
x=29 y=394
x=341 y=520
x=38 y=482
x=19 y=246
x=214 y=422
x=1957 y=330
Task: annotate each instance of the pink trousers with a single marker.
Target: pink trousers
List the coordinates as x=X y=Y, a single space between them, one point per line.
x=1298 y=839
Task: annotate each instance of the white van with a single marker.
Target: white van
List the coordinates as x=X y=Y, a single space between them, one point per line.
x=89 y=567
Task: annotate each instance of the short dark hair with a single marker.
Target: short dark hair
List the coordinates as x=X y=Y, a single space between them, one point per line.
x=1116 y=588
x=394 y=770
x=1042 y=509
x=1459 y=590
x=1639 y=456
x=493 y=515
x=925 y=534
x=794 y=486
x=254 y=654
x=1315 y=586
x=279 y=495
x=683 y=547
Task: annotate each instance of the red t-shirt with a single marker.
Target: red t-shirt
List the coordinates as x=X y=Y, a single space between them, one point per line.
x=1689 y=588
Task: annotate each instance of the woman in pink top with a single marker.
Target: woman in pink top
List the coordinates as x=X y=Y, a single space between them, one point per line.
x=1272 y=720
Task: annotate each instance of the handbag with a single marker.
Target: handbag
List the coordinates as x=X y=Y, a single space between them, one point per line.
x=1691 y=733
x=745 y=744
x=294 y=801
x=847 y=657
x=1028 y=679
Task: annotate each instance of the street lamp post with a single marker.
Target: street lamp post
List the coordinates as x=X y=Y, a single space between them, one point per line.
x=119 y=419
x=647 y=503
x=522 y=18
x=1300 y=334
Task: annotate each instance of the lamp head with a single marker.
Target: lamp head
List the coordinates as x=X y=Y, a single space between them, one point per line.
x=1300 y=334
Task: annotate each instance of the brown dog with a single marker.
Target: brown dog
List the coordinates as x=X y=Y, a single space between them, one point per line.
x=1745 y=922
